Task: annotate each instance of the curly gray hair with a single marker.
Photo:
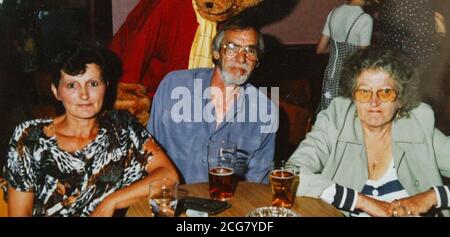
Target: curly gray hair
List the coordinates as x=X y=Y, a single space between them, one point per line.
x=389 y=61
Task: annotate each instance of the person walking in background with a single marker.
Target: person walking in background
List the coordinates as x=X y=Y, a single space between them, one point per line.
x=442 y=69
x=410 y=26
x=347 y=29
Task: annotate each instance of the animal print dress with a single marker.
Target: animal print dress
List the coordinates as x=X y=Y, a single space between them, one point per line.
x=74 y=183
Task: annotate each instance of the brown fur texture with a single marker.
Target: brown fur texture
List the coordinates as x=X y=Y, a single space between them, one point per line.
x=132 y=97
x=221 y=10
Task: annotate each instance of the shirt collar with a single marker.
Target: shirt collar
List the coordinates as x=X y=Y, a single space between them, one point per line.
x=239 y=103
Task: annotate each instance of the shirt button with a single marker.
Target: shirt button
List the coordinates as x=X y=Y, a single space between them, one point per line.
x=203 y=161
x=375 y=192
x=417 y=183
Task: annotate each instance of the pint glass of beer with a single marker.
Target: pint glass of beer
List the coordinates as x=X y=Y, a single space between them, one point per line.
x=221 y=162
x=283 y=186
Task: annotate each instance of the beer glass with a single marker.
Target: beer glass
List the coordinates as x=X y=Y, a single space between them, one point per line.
x=283 y=185
x=295 y=169
x=221 y=167
x=163 y=197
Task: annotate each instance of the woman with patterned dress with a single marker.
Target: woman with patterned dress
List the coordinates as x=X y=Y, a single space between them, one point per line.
x=409 y=26
x=88 y=161
x=347 y=29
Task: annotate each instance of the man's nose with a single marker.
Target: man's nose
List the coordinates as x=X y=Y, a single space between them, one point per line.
x=241 y=55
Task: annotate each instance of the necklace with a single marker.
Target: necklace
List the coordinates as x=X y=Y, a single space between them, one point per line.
x=374 y=165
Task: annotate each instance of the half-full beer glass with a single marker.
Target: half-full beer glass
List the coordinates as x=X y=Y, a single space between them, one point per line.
x=283 y=185
x=221 y=162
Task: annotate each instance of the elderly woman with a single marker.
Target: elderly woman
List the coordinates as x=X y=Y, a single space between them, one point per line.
x=375 y=150
x=88 y=161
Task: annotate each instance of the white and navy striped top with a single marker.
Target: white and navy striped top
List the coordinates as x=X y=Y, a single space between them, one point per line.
x=443 y=195
x=387 y=188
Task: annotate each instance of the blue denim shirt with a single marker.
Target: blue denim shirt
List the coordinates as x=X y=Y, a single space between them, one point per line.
x=186 y=142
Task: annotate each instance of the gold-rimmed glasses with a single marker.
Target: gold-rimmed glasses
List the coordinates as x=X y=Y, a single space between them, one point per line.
x=232 y=49
x=384 y=95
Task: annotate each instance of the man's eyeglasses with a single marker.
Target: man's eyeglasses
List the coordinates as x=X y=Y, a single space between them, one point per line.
x=231 y=50
x=384 y=95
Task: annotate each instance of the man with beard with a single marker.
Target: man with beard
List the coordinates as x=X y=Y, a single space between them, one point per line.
x=193 y=107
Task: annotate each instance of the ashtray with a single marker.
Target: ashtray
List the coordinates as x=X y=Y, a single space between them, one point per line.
x=272 y=212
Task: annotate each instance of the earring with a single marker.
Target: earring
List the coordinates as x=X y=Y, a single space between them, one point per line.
x=216 y=55
x=398 y=115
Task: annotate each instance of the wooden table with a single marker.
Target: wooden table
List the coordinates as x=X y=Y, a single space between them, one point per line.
x=247 y=197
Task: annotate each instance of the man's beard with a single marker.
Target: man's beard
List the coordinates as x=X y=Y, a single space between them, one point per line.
x=230 y=79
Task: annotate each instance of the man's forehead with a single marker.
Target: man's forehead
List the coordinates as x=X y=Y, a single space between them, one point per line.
x=243 y=37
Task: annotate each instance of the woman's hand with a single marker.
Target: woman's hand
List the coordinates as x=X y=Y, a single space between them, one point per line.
x=415 y=205
x=373 y=207
x=105 y=209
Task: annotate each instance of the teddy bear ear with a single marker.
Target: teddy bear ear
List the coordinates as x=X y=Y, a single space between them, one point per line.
x=242 y=5
x=249 y=3
x=210 y=9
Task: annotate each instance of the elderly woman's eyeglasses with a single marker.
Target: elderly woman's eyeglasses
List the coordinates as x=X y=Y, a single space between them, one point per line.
x=384 y=95
x=232 y=49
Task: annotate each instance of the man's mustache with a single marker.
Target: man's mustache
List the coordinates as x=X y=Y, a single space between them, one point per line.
x=244 y=67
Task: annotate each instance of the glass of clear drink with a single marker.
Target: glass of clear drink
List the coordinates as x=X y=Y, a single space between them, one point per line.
x=163 y=197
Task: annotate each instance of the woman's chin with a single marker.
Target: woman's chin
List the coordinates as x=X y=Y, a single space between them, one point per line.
x=376 y=123
x=85 y=114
